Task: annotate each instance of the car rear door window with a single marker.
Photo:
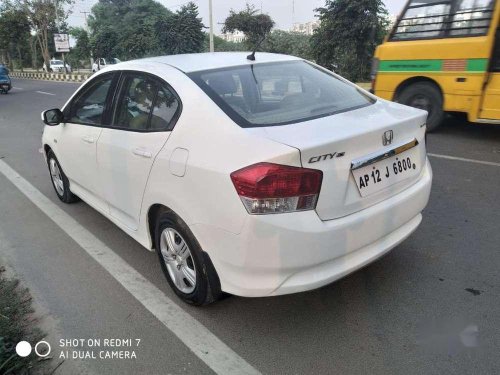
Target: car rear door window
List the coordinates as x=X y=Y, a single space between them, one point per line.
x=165 y=109
x=135 y=103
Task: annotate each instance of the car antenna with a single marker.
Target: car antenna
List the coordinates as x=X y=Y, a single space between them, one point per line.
x=251 y=57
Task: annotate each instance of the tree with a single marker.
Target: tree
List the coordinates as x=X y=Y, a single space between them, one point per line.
x=182 y=32
x=81 y=50
x=288 y=43
x=14 y=34
x=125 y=28
x=221 y=45
x=105 y=43
x=42 y=16
x=348 y=34
x=255 y=26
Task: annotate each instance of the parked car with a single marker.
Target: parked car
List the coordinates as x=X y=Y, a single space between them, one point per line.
x=5 y=82
x=255 y=178
x=102 y=63
x=57 y=66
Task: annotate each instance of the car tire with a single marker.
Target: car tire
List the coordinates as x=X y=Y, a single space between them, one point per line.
x=187 y=268
x=425 y=95
x=59 y=180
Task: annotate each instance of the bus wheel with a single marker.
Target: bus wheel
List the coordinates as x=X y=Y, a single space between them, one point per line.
x=425 y=96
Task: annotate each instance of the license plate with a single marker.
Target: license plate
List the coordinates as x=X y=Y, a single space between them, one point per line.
x=382 y=174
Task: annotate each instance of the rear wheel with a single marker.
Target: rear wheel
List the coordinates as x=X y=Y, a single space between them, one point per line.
x=426 y=96
x=186 y=266
x=59 y=180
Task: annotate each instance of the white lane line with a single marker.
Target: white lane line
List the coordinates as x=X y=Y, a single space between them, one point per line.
x=17 y=88
x=45 y=93
x=464 y=159
x=204 y=344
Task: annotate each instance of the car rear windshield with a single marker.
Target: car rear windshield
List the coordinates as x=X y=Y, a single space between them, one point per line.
x=281 y=93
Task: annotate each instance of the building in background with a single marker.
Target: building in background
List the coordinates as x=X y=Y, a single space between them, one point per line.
x=306 y=27
x=236 y=37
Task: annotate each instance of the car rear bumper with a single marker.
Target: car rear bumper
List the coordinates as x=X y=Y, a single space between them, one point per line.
x=289 y=253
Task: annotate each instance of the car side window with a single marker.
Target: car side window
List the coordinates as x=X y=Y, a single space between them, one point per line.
x=165 y=108
x=89 y=107
x=135 y=103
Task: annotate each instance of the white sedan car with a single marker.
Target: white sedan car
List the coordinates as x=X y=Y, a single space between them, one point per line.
x=255 y=178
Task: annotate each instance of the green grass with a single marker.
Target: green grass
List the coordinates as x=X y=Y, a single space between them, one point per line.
x=17 y=323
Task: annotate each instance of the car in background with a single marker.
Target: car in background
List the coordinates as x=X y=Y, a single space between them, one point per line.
x=5 y=82
x=102 y=63
x=255 y=177
x=57 y=66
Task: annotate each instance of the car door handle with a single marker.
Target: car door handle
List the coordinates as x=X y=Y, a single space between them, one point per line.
x=88 y=139
x=142 y=152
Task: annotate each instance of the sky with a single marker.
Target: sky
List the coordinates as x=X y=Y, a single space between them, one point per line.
x=283 y=12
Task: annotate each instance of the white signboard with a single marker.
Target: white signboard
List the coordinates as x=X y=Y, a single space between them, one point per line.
x=62 y=42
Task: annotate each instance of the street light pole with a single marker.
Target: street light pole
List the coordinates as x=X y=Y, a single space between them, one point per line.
x=88 y=33
x=211 y=20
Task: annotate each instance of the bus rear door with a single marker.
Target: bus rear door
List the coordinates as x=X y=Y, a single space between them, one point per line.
x=490 y=108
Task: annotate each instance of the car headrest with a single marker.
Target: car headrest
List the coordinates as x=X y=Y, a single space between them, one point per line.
x=222 y=84
x=143 y=91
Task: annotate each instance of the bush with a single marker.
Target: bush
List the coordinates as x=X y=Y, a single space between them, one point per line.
x=16 y=324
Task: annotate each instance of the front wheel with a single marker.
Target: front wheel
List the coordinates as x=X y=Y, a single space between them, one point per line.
x=186 y=266
x=426 y=96
x=59 y=180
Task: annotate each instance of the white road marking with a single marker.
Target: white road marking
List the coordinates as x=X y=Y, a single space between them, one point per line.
x=17 y=88
x=464 y=159
x=204 y=344
x=45 y=93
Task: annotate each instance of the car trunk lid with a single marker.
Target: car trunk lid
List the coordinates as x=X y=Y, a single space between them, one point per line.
x=335 y=144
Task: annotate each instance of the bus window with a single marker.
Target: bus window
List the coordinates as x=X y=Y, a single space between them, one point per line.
x=427 y=19
x=471 y=17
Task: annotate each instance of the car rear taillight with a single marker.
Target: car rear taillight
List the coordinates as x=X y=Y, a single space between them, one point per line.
x=267 y=188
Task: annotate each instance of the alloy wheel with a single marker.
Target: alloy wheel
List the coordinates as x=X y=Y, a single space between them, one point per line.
x=178 y=260
x=55 y=173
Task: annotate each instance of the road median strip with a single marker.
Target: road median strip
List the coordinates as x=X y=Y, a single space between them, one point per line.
x=61 y=77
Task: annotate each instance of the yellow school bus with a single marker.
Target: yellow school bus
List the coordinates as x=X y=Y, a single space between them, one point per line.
x=443 y=56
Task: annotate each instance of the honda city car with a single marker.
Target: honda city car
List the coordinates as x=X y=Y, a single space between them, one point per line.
x=253 y=177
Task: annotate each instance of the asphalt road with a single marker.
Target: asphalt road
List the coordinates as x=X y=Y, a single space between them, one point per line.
x=431 y=306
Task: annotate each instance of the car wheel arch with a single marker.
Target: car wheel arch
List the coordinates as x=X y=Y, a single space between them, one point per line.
x=47 y=149
x=154 y=211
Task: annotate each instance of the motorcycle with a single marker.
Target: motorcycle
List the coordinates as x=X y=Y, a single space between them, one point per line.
x=5 y=82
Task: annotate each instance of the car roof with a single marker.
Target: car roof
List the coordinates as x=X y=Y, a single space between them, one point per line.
x=193 y=62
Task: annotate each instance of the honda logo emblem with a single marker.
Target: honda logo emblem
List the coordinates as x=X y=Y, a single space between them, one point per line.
x=387 y=137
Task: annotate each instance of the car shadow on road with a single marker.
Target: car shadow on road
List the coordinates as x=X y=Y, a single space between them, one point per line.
x=457 y=125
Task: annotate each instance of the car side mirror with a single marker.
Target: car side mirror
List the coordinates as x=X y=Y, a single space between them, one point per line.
x=52 y=117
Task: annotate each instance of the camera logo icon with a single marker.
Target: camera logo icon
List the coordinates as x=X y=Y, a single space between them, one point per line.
x=42 y=349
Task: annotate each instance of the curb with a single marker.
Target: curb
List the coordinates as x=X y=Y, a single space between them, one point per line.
x=51 y=76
